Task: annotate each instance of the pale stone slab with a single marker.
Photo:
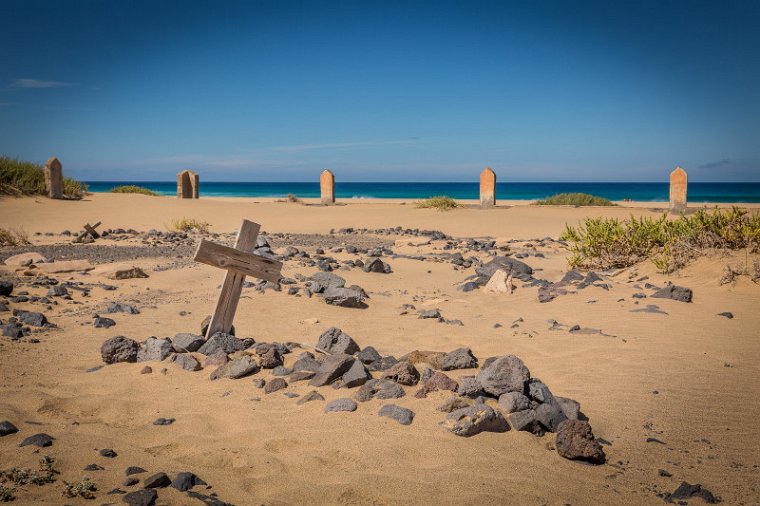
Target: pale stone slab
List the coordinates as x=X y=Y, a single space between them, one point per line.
x=500 y=282
x=679 y=182
x=188 y=183
x=119 y=271
x=24 y=259
x=54 y=178
x=487 y=188
x=327 y=187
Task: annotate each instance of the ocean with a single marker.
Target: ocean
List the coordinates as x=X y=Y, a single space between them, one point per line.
x=646 y=192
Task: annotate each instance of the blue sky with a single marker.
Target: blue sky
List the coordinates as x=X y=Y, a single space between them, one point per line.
x=383 y=91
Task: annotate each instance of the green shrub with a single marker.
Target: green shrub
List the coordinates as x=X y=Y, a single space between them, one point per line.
x=442 y=203
x=574 y=199
x=25 y=178
x=134 y=189
x=606 y=243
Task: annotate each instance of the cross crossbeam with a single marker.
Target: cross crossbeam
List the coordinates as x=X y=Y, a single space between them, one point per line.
x=239 y=262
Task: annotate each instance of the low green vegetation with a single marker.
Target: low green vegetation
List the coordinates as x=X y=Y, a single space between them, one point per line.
x=15 y=478
x=134 y=189
x=670 y=243
x=442 y=203
x=189 y=225
x=84 y=488
x=19 y=178
x=574 y=199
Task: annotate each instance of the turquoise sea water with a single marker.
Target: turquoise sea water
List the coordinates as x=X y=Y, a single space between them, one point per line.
x=647 y=192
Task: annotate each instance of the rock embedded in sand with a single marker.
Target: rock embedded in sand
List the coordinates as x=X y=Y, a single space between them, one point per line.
x=311 y=396
x=164 y=421
x=437 y=381
x=321 y=281
x=333 y=367
x=340 y=405
x=119 y=307
x=300 y=376
x=334 y=340
x=57 y=291
x=674 y=292
x=154 y=349
x=306 y=362
x=220 y=341
x=119 y=349
x=42 y=440
x=503 y=374
x=686 y=491
x=102 y=322
x=7 y=428
x=187 y=362
x=461 y=358
x=403 y=373
x=434 y=358
x=236 y=368
x=119 y=271
x=25 y=259
x=345 y=297
x=453 y=403
x=108 y=453
x=184 y=481
x=144 y=497
x=401 y=415
x=376 y=265
x=356 y=376
x=32 y=318
x=475 y=419
x=380 y=389
x=6 y=287
x=575 y=441
x=134 y=470
x=158 y=480
x=14 y=330
x=185 y=342
x=275 y=385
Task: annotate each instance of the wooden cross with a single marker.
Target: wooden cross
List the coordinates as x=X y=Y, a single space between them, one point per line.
x=89 y=229
x=239 y=263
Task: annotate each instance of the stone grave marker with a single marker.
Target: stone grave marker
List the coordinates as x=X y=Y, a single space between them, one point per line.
x=54 y=178
x=487 y=188
x=327 y=187
x=239 y=262
x=679 y=182
x=187 y=185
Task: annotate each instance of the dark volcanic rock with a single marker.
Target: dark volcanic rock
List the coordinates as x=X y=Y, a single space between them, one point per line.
x=32 y=318
x=134 y=470
x=274 y=385
x=237 y=368
x=524 y=420
x=185 y=481
x=512 y=402
x=6 y=288
x=686 y=491
x=7 y=428
x=376 y=265
x=164 y=421
x=118 y=307
x=154 y=349
x=187 y=362
x=368 y=355
x=520 y=270
x=576 y=441
x=437 y=381
x=727 y=314
x=356 y=376
x=401 y=415
x=461 y=358
x=474 y=420
x=306 y=362
x=504 y=374
x=271 y=358
x=185 y=342
x=340 y=405
x=158 y=480
x=108 y=453
x=381 y=389
x=311 y=396
x=331 y=369
x=222 y=342
x=383 y=364
x=205 y=323
x=679 y=293
x=101 y=322
x=469 y=386
x=40 y=440
x=144 y=497
x=334 y=340
x=403 y=373
x=119 y=349
x=345 y=297
x=322 y=281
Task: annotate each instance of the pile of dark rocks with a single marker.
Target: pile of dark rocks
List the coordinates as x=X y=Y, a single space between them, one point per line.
x=498 y=397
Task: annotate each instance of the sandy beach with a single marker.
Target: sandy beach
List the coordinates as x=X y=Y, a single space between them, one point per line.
x=671 y=394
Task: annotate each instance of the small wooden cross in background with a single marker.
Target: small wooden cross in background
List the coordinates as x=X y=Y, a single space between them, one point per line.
x=239 y=263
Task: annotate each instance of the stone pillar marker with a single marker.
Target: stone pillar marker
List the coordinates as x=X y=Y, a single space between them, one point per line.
x=54 y=178
x=187 y=185
x=327 y=187
x=487 y=188
x=679 y=181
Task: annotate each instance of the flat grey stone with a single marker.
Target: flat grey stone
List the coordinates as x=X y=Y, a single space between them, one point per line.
x=401 y=415
x=340 y=405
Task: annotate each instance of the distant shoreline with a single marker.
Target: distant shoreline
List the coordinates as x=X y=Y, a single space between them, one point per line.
x=744 y=193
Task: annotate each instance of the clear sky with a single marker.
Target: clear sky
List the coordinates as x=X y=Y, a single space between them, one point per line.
x=383 y=91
